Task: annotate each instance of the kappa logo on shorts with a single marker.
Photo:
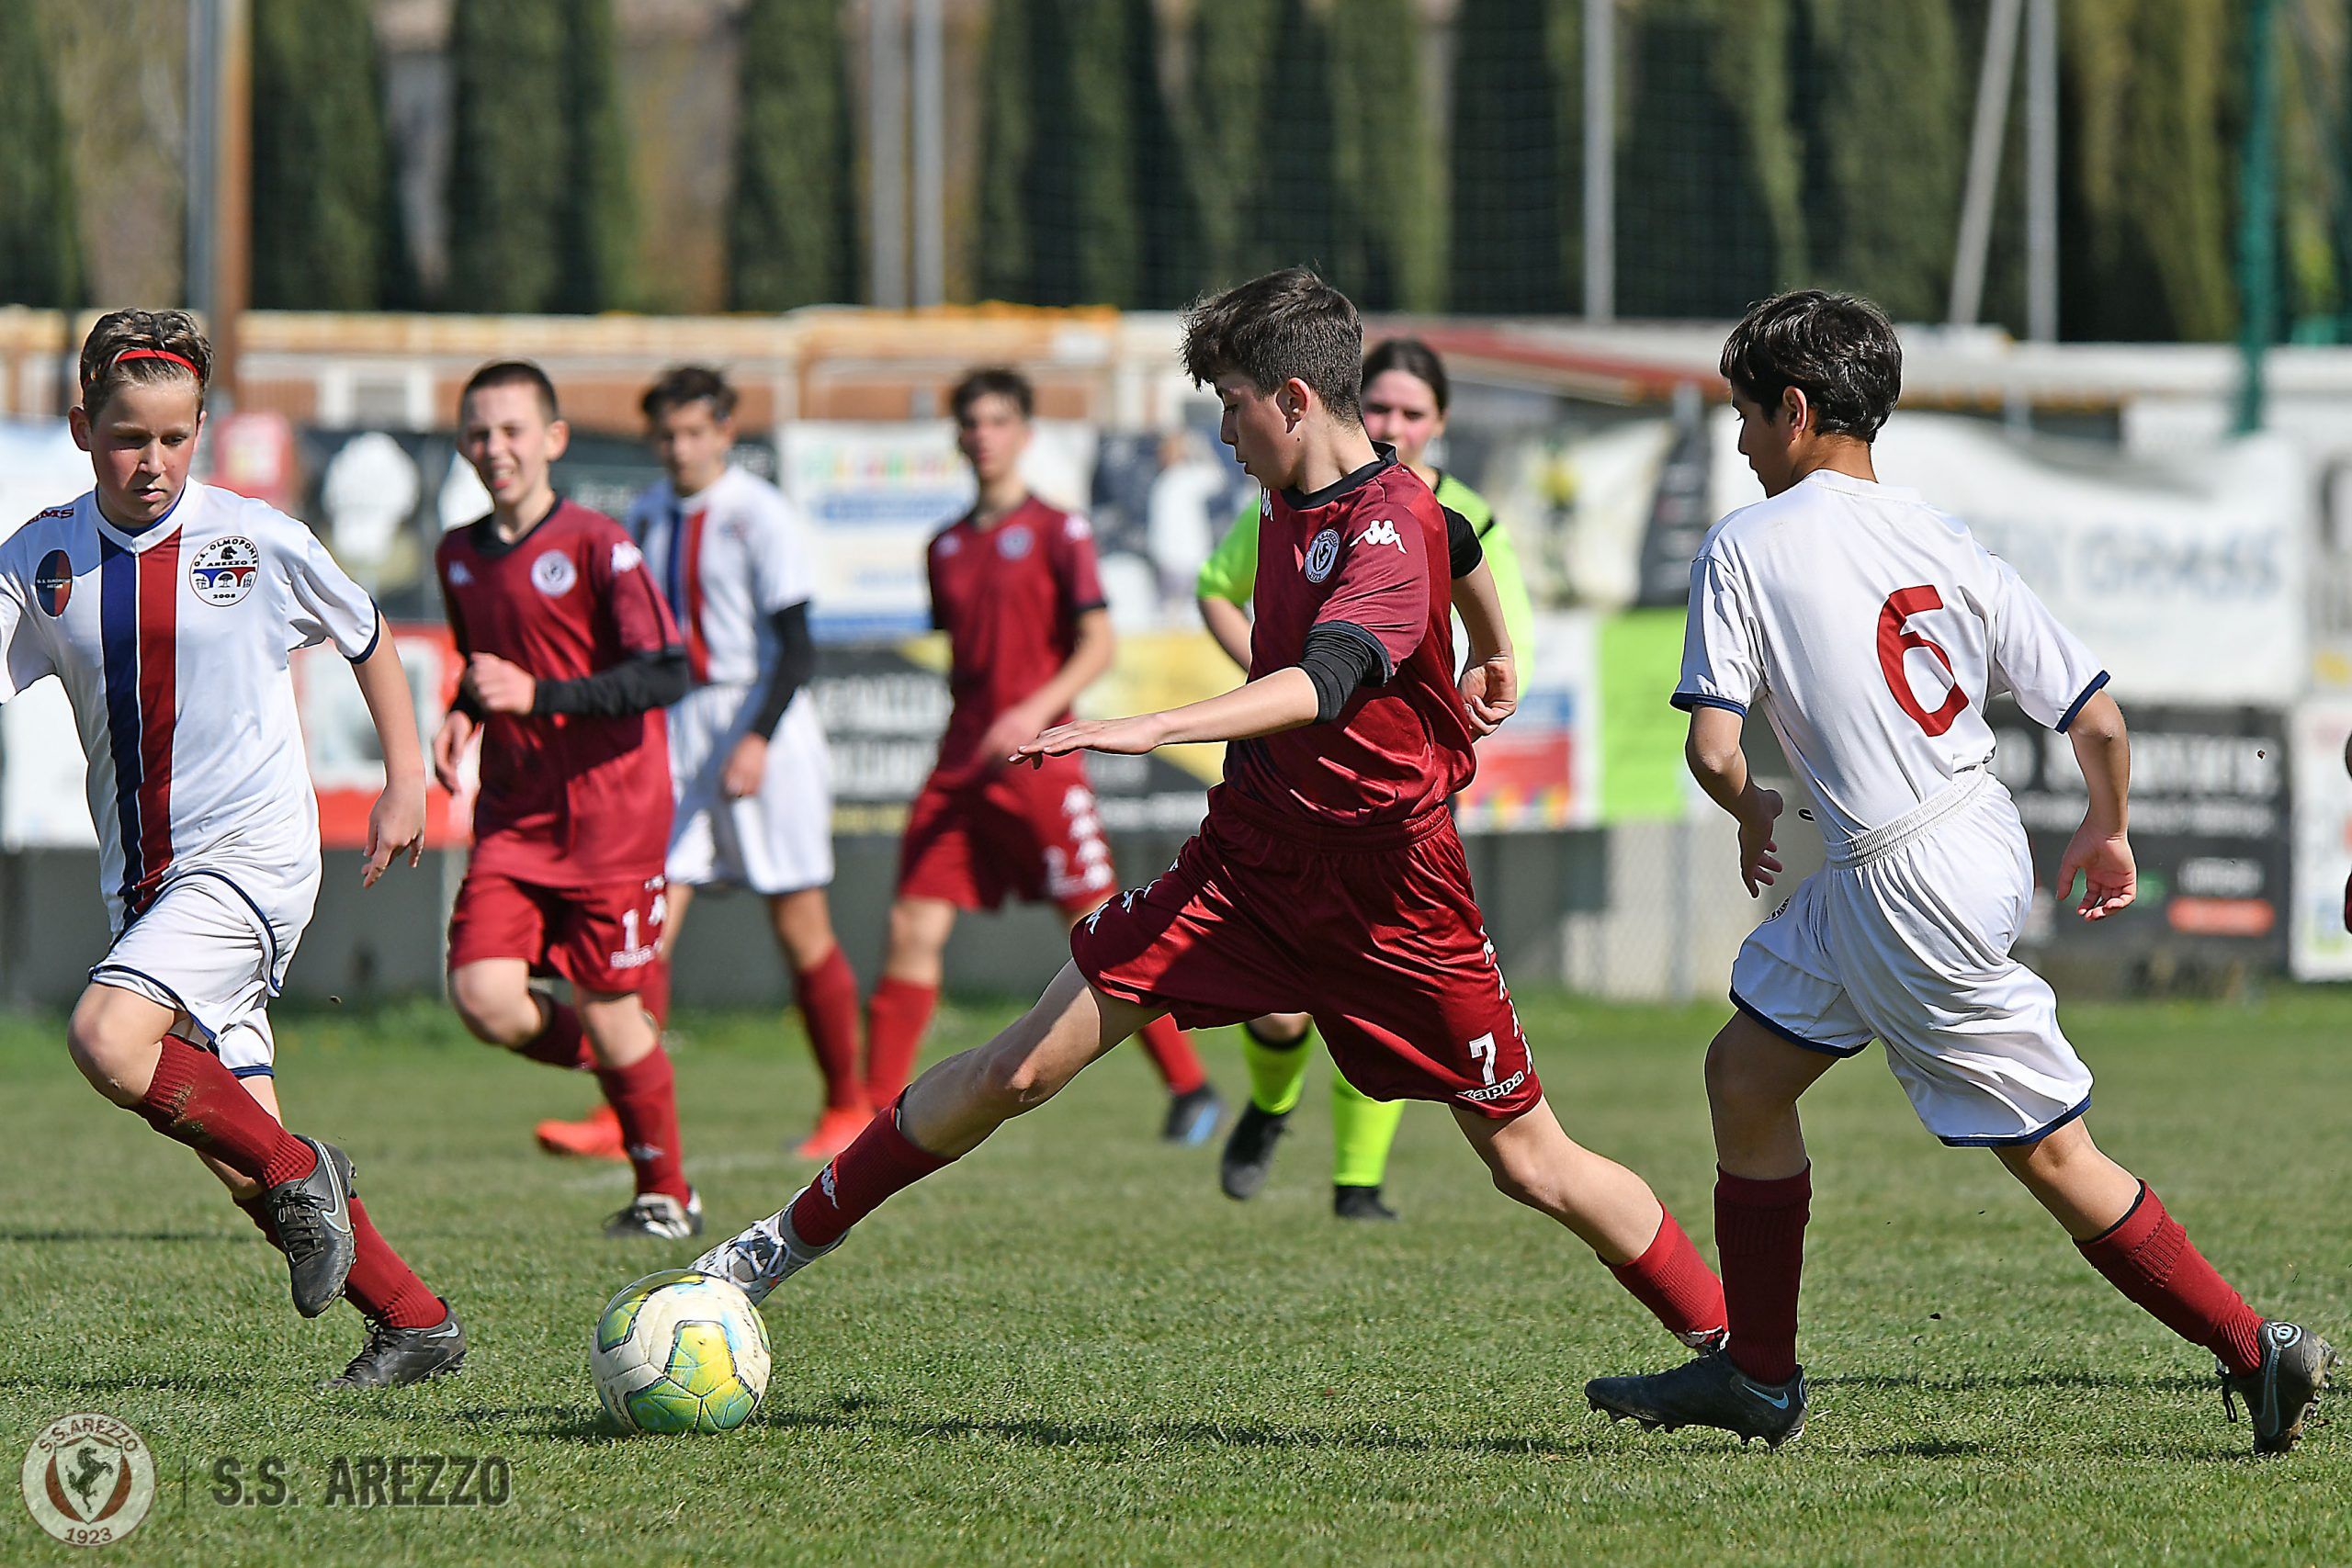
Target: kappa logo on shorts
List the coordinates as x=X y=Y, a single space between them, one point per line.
x=225 y=570
x=1322 y=555
x=1381 y=532
x=553 y=574
x=1014 y=543
x=1495 y=1090
x=53 y=583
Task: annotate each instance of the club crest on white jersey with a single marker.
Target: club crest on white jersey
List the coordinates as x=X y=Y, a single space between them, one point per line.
x=225 y=570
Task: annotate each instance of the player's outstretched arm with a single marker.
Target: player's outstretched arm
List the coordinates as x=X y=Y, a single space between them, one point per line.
x=2101 y=848
x=1490 y=674
x=1720 y=765
x=1283 y=700
x=397 y=823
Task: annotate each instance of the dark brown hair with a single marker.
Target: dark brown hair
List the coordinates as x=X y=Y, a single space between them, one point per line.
x=992 y=381
x=1416 y=359
x=514 y=372
x=689 y=384
x=1270 y=328
x=1840 y=350
x=137 y=348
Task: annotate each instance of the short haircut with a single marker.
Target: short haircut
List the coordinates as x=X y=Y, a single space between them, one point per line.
x=138 y=348
x=1416 y=359
x=993 y=381
x=1286 y=325
x=1840 y=350
x=514 y=372
x=689 y=384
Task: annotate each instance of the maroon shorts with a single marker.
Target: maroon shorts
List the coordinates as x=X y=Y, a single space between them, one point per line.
x=605 y=937
x=1032 y=833
x=1378 y=938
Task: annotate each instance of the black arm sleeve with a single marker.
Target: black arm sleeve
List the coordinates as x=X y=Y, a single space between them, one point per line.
x=642 y=682
x=1463 y=550
x=796 y=660
x=1339 y=658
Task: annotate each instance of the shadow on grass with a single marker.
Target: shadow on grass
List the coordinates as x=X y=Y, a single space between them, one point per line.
x=2101 y=1382
x=42 y=1237
x=136 y=1382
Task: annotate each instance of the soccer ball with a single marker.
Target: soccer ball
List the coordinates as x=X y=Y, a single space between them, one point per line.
x=680 y=1351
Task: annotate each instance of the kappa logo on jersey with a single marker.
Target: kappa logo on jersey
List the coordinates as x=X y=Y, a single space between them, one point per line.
x=1322 y=555
x=949 y=544
x=53 y=583
x=553 y=574
x=1077 y=527
x=225 y=569
x=626 y=558
x=460 y=574
x=1014 y=543
x=1381 y=532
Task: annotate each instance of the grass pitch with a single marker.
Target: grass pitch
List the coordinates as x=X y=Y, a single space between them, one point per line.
x=1072 y=1349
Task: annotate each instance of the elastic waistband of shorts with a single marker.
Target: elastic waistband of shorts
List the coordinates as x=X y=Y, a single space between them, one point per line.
x=1343 y=839
x=1882 y=841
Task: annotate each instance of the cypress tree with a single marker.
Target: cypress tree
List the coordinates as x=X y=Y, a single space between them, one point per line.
x=1168 y=214
x=596 y=220
x=1298 y=212
x=509 y=157
x=1391 y=230
x=1087 y=166
x=1008 y=135
x=1232 y=80
x=41 y=241
x=788 y=224
x=1515 y=204
x=324 y=205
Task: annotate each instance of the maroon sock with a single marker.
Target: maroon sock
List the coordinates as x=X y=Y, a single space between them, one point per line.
x=827 y=997
x=196 y=1100
x=1173 y=1054
x=2148 y=1256
x=877 y=1163
x=382 y=1287
x=644 y=1096
x=1674 y=1282
x=896 y=1016
x=1760 y=1233
x=560 y=1041
x=258 y=1212
x=653 y=992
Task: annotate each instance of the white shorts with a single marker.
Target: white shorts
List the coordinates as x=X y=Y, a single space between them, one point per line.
x=1905 y=938
x=204 y=951
x=778 y=840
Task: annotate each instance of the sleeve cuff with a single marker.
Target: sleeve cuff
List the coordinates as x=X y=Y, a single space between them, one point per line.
x=374 y=637
x=1380 y=652
x=2075 y=707
x=1687 y=701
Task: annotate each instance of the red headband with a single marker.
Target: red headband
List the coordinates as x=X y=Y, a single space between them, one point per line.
x=186 y=364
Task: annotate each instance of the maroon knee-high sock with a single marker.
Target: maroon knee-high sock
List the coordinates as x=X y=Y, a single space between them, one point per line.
x=1759 y=1235
x=826 y=993
x=896 y=1016
x=1173 y=1054
x=2148 y=1256
x=1675 y=1283
x=644 y=1096
x=879 y=1162
x=381 y=1286
x=561 y=1043
x=195 y=1101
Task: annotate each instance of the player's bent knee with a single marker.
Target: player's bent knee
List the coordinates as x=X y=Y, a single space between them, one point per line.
x=494 y=1011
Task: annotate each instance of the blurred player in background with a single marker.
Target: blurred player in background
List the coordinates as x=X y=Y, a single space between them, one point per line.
x=570 y=656
x=168 y=610
x=1328 y=872
x=1876 y=626
x=1404 y=395
x=748 y=764
x=1013 y=586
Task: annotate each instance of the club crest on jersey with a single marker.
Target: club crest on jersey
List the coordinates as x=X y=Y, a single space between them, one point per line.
x=1381 y=532
x=225 y=569
x=1014 y=543
x=553 y=574
x=1322 y=555
x=53 y=583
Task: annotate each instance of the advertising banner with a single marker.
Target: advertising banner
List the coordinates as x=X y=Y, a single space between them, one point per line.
x=2320 y=947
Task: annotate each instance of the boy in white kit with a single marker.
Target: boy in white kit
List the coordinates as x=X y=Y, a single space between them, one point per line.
x=1872 y=628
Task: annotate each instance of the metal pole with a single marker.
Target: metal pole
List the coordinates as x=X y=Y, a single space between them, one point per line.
x=887 y=150
x=931 y=157
x=1600 y=160
x=1983 y=162
x=2258 y=216
x=2041 y=172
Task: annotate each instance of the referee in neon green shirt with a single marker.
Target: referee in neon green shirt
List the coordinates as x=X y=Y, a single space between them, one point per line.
x=1405 y=394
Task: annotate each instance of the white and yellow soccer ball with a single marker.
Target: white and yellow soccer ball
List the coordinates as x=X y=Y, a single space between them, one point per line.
x=680 y=1351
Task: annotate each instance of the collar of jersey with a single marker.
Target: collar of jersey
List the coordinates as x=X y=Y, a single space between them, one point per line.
x=164 y=528
x=688 y=502
x=972 y=519
x=1383 y=457
x=1830 y=479
x=486 y=538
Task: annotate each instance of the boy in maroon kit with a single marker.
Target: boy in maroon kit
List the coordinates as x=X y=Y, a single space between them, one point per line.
x=571 y=656
x=1328 y=872
x=1013 y=586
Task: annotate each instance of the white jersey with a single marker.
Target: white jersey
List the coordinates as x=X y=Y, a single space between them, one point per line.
x=172 y=645
x=1873 y=628
x=727 y=558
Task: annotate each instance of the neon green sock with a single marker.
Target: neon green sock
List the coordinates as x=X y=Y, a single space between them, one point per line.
x=1362 y=1130
x=1277 y=1073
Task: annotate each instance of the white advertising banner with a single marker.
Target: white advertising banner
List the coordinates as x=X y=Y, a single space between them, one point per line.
x=2184 y=573
x=2319 y=947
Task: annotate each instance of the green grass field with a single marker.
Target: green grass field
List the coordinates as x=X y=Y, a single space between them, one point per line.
x=1072 y=1349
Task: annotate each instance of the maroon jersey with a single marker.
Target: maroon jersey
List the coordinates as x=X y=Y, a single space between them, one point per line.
x=1008 y=597
x=567 y=799
x=1369 y=552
